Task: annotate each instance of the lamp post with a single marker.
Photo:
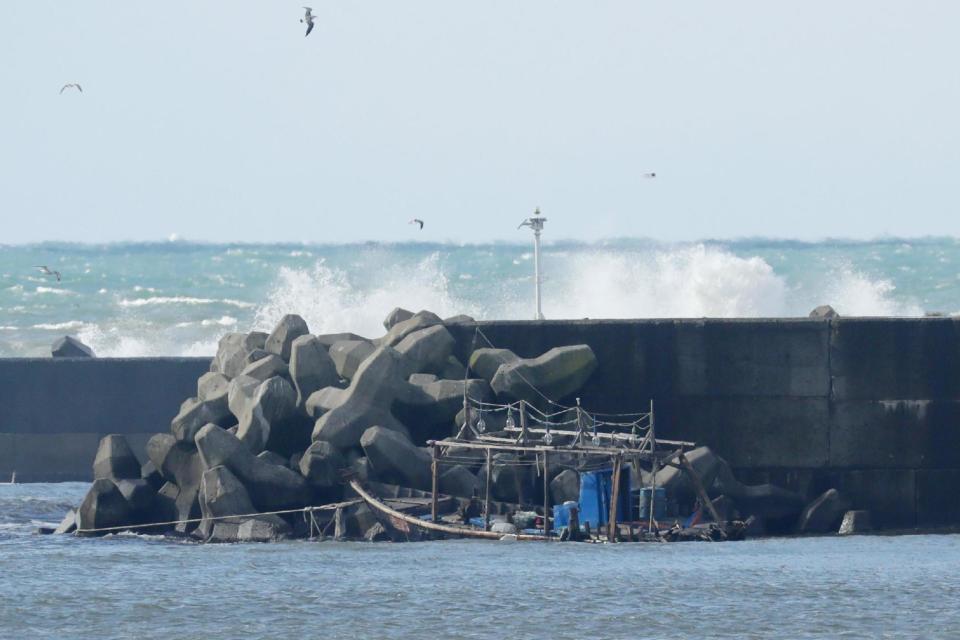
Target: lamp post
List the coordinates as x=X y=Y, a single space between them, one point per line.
x=536 y=223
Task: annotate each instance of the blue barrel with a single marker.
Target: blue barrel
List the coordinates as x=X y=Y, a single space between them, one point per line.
x=659 y=503
x=596 y=488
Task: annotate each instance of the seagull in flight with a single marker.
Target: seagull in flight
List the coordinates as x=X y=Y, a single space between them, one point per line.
x=308 y=18
x=417 y=221
x=47 y=271
x=71 y=85
x=650 y=174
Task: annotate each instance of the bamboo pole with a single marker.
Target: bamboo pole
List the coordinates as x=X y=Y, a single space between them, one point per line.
x=698 y=487
x=486 y=495
x=614 y=500
x=653 y=494
x=546 y=495
x=434 y=464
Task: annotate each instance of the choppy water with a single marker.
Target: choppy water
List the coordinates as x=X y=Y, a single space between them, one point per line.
x=138 y=587
x=177 y=298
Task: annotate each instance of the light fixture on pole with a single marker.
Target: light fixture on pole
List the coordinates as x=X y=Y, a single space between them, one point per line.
x=536 y=223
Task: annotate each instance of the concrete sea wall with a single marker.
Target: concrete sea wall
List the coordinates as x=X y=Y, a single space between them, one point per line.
x=868 y=406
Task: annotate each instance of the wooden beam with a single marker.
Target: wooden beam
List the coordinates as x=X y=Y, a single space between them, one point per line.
x=698 y=487
x=546 y=495
x=434 y=454
x=486 y=495
x=614 y=500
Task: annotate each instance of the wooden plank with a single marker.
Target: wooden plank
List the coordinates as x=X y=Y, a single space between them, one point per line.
x=698 y=487
x=434 y=454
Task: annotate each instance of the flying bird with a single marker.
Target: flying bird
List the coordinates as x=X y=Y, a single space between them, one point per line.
x=71 y=85
x=45 y=270
x=417 y=221
x=650 y=174
x=308 y=18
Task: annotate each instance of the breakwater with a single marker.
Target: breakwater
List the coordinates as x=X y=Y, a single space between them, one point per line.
x=868 y=406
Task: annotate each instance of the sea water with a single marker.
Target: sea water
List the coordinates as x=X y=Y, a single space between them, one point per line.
x=178 y=298
x=128 y=586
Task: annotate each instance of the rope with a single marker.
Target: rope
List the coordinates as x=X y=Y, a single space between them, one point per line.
x=304 y=510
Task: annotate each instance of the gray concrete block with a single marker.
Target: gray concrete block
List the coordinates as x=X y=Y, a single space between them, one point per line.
x=754 y=432
x=752 y=358
x=55 y=457
x=888 y=494
x=895 y=358
x=937 y=502
x=903 y=433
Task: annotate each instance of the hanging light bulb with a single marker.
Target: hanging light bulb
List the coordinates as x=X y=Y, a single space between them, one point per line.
x=481 y=425
x=548 y=437
x=510 y=424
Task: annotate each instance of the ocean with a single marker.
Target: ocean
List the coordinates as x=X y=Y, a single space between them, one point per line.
x=129 y=586
x=177 y=298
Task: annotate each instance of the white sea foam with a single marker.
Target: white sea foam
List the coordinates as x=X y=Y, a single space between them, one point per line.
x=70 y=325
x=222 y=321
x=330 y=300
x=356 y=293
x=55 y=291
x=692 y=281
x=853 y=293
x=182 y=300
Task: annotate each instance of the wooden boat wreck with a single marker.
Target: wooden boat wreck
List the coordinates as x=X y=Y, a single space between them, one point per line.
x=570 y=438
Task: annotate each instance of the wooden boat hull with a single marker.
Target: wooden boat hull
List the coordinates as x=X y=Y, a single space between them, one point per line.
x=414 y=528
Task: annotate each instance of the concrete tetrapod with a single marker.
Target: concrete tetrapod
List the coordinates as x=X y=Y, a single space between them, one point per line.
x=348 y=355
x=115 y=460
x=103 y=506
x=395 y=459
x=321 y=464
x=280 y=341
x=565 y=487
x=322 y=401
x=271 y=487
x=273 y=402
x=180 y=465
x=223 y=495
x=267 y=367
x=311 y=367
x=557 y=373
x=824 y=514
x=395 y=317
x=232 y=352
x=70 y=347
x=459 y=481
x=426 y=350
x=194 y=413
x=399 y=331
x=214 y=388
x=366 y=402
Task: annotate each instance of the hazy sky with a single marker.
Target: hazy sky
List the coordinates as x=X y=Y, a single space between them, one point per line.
x=220 y=121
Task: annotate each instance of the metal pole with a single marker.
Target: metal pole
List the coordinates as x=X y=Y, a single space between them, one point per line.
x=536 y=223
x=536 y=267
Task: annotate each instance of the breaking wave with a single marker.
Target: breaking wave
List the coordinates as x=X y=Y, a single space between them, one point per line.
x=352 y=288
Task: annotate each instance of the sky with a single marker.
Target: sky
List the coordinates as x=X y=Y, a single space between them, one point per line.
x=220 y=121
